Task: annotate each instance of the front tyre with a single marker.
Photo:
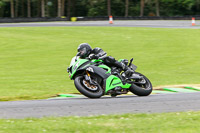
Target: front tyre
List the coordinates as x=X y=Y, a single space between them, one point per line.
x=91 y=92
x=142 y=89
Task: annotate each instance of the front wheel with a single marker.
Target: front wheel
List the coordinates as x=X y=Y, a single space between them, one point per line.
x=84 y=87
x=144 y=88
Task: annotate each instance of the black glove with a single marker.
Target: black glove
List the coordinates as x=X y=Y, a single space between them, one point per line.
x=93 y=56
x=68 y=69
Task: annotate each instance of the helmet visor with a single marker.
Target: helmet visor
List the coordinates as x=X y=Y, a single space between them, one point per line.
x=83 y=52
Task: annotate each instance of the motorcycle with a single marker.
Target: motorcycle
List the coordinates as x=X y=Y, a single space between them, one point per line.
x=94 y=79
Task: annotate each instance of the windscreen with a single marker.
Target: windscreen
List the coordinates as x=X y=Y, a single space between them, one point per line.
x=73 y=60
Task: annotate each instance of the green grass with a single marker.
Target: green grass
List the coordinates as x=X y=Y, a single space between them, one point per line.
x=33 y=60
x=187 y=122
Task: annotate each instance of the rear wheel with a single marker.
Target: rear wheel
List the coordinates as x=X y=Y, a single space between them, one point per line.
x=85 y=88
x=143 y=87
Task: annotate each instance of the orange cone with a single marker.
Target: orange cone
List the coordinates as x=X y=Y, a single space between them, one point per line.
x=193 y=21
x=110 y=20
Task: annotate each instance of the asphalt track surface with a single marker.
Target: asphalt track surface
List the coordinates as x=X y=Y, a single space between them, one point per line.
x=155 y=103
x=131 y=23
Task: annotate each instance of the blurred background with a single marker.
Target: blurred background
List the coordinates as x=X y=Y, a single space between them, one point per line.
x=97 y=8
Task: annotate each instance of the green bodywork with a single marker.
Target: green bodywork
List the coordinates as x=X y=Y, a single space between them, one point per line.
x=102 y=66
x=99 y=60
x=111 y=82
x=105 y=67
x=78 y=63
x=120 y=60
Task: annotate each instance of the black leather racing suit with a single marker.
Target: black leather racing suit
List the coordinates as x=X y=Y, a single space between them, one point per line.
x=108 y=60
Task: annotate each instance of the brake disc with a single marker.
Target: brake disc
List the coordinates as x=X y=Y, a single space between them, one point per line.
x=89 y=86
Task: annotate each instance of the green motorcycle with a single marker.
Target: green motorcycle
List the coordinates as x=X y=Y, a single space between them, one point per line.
x=94 y=79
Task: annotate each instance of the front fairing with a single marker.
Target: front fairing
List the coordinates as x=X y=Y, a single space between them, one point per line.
x=79 y=65
x=76 y=65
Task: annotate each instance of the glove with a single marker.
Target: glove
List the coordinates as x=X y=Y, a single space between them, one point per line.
x=93 y=56
x=68 y=69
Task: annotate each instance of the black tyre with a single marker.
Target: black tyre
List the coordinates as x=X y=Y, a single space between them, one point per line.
x=97 y=92
x=142 y=89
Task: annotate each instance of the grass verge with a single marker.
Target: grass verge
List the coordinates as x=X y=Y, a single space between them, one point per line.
x=178 y=122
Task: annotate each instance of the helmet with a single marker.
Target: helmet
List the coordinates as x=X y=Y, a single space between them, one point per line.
x=84 y=50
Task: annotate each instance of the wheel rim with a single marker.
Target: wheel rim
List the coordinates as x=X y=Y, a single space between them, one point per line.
x=146 y=85
x=89 y=86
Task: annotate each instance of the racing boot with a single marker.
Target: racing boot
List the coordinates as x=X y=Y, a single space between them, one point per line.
x=128 y=72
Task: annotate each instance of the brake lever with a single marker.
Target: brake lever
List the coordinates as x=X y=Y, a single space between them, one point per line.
x=130 y=62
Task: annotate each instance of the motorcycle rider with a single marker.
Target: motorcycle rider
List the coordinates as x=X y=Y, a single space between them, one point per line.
x=85 y=50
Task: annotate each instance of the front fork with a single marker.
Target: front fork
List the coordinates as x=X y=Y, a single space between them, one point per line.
x=88 y=78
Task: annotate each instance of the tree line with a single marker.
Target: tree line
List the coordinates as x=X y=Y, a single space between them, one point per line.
x=69 y=8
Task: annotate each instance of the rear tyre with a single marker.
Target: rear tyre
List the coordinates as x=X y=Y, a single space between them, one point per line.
x=90 y=93
x=142 y=89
